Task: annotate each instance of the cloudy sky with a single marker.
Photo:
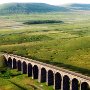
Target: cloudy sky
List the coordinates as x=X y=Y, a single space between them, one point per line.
x=52 y=2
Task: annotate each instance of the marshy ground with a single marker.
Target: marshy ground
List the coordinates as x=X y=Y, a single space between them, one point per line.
x=65 y=44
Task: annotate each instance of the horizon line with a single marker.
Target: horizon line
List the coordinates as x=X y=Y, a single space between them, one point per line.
x=43 y=3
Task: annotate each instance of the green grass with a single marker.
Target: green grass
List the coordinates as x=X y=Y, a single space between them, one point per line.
x=65 y=45
x=18 y=81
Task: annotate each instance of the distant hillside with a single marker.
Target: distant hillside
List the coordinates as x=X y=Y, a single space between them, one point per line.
x=21 y=8
x=79 y=6
x=16 y=8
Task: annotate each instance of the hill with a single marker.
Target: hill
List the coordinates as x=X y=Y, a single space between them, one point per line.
x=79 y=6
x=17 y=8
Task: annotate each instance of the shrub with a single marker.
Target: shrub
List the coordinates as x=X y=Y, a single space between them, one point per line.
x=42 y=22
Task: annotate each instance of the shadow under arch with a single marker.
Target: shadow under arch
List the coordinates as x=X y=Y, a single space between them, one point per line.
x=85 y=86
x=75 y=84
x=24 y=67
x=19 y=65
x=43 y=75
x=50 y=78
x=35 y=72
x=66 y=83
x=14 y=64
x=9 y=62
x=29 y=69
x=58 y=80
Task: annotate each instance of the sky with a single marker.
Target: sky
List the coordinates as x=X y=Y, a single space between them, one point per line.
x=52 y=2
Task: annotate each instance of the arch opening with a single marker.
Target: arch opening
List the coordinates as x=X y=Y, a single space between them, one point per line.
x=50 y=78
x=66 y=83
x=9 y=62
x=14 y=64
x=35 y=72
x=85 y=86
x=43 y=75
x=58 y=80
x=29 y=70
x=19 y=65
x=75 y=84
x=24 y=67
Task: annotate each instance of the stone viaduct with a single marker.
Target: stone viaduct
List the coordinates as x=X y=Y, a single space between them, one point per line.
x=60 y=78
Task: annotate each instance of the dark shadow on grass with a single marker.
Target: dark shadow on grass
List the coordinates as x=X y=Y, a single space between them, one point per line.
x=72 y=68
x=22 y=88
x=13 y=75
x=34 y=88
x=66 y=66
x=6 y=73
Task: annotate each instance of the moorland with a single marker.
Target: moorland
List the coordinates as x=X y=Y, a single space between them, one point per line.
x=57 y=38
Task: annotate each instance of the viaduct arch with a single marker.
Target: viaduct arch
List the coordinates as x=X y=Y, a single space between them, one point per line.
x=61 y=79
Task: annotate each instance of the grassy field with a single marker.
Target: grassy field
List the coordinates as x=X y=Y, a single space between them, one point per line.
x=65 y=44
x=11 y=79
x=14 y=80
